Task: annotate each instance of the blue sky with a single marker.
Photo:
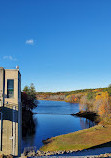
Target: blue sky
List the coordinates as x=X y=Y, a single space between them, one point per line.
x=59 y=45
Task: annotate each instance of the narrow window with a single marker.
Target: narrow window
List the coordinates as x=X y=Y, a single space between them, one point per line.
x=10 y=88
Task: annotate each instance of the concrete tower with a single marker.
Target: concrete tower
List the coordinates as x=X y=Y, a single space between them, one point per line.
x=10 y=111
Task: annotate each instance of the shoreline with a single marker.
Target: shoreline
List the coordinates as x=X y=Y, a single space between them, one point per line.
x=51 y=100
x=62 y=154
x=49 y=142
x=88 y=115
x=74 y=142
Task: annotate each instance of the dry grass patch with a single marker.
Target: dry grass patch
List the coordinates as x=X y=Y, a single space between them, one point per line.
x=79 y=140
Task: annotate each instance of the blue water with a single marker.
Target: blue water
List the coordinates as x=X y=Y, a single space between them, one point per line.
x=52 y=119
x=56 y=107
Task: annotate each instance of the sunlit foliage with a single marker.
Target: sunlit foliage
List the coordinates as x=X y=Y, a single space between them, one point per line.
x=90 y=100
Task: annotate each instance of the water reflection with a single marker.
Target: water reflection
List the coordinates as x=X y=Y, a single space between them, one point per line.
x=55 y=123
x=28 y=123
x=85 y=123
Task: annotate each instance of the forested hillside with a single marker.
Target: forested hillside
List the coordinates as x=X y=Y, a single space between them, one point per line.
x=90 y=100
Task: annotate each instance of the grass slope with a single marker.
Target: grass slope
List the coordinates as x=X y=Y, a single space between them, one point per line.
x=79 y=140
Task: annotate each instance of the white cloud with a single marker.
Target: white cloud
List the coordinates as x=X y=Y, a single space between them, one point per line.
x=9 y=58
x=30 y=42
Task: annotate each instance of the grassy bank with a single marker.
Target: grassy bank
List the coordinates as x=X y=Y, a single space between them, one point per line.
x=94 y=104
x=83 y=139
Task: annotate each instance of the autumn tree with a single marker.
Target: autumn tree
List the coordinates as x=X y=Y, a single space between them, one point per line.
x=101 y=103
x=28 y=97
x=71 y=98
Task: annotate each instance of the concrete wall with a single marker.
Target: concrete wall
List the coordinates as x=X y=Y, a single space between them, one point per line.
x=11 y=74
x=11 y=128
x=1 y=86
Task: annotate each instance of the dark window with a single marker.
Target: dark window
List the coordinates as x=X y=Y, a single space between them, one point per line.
x=10 y=88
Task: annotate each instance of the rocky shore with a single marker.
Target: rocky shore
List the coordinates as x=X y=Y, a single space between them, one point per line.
x=48 y=153
x=6 y=156
x=57 y=153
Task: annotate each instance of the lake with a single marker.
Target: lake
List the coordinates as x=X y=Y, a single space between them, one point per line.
x=52 y=119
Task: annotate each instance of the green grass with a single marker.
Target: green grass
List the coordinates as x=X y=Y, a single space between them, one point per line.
x=79 y=140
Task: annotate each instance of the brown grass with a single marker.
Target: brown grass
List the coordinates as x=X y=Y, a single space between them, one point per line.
x=79 y=140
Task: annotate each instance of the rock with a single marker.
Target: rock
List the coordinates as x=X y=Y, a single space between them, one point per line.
x=6 y=156
x=31 y=153
x=10 y=156
x=71 y=151
x=1 y=156
x=62 y=152
x=65 y=152
x=38 y=152
x=23 y=157
x=48 y=153
x=106 y=155
x=25 y=153
x=42 y=152
x=45 y=141
x=68 y=152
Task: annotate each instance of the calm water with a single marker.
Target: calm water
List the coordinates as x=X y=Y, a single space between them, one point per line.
x=52 y=119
